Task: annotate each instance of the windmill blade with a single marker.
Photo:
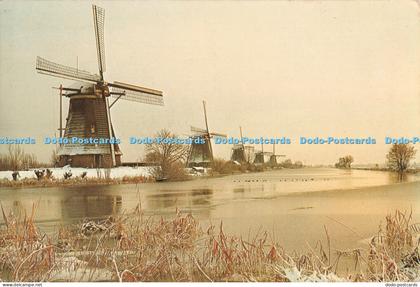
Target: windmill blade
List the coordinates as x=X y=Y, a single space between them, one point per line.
x=198 y=130
x=44 y=66
x=219 y=135
x=99 y=22
x=136 y=93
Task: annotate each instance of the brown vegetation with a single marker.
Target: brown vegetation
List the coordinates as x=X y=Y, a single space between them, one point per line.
x=135 y=248
x=288 y=163
x=399 y=157
x=344 y=162
x=168 y=156
x=221 y=166
x=17 y=159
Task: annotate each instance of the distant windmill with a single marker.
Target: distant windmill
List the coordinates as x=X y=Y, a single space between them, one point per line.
x=201 y=154
x=249 y=153
x=89 y=109
x=261 y=157
x=238 y=150
x=242 y=153
x=274 y=156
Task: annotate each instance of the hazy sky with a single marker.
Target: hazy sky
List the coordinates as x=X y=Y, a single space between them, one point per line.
x=277 y=68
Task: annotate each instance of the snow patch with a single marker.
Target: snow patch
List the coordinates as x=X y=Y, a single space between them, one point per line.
x=116 y=172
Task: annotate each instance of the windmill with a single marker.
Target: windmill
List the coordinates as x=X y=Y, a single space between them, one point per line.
x=238 y=150
x=274 y=156
x=242 y=153
x=261 y=157
x=201 y=152
x=249 y=153
x=89 y=114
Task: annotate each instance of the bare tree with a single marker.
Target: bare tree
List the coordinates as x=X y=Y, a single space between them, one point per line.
x=17 y=159
x=399 y=157
x=55 y=158
x=168 y=155
x=16 y=155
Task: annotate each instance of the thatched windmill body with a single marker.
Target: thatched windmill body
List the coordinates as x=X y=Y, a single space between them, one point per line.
x=242 y=153
x=262 y=157
x=201 y=151
x=274 y=158
x=89 y=117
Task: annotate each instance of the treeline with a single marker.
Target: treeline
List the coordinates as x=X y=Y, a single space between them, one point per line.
x=17 y=159
x=289 y=164
x=398 y=159
x=222 y=166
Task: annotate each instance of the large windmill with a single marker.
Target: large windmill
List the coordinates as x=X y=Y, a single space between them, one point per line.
x=201 y=153
x=89 y=109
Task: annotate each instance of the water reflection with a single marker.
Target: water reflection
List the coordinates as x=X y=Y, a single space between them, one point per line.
x=166 y=199
x=92 y=206
x=239 y=190
x=201 y=196
x=18 y=209
x=399 y=177
x=210 y=198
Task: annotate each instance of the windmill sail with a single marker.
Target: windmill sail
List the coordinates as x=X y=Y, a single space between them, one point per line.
x=136 y=93
x=57 y=70
x=99 y=22
x=198 y=130
x=219 y=135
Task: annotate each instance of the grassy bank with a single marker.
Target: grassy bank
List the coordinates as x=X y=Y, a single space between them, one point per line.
x=134 y=247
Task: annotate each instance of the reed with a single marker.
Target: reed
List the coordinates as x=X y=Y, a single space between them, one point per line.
x=134 y=247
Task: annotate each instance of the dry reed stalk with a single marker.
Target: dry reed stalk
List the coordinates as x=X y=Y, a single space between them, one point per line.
x=132 y=247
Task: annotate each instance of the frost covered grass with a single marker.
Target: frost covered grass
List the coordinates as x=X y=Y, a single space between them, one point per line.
x=134 y=247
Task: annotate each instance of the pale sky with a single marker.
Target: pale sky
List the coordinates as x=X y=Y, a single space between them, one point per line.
x=277 y=68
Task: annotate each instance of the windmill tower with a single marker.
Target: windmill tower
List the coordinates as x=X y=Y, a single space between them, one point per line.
x=89 y=117
x=238 y=151
x=249 y=153
x=261 y=157
x=201 y=153
x=242 y=153
x=274 y=158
